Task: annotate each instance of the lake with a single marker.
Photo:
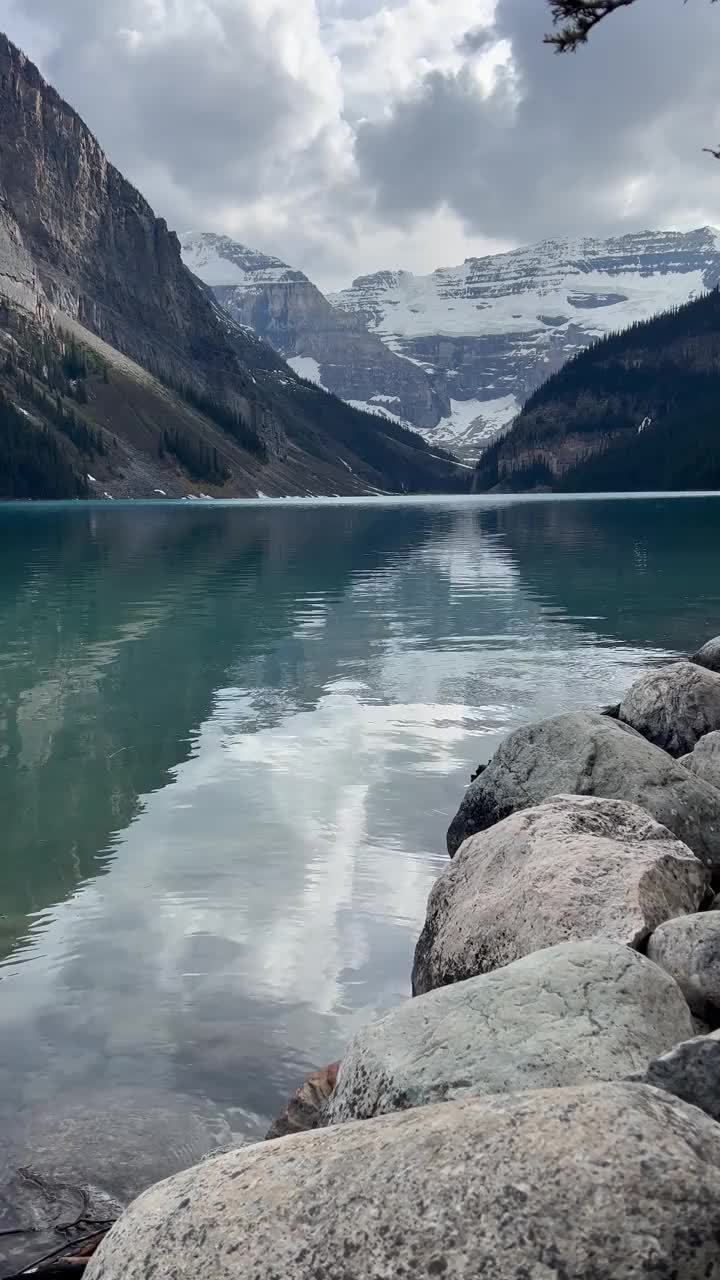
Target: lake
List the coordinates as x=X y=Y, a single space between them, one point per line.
x=231 y=741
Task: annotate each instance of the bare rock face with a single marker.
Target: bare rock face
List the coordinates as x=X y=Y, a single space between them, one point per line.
x=306 y=1108
x=674 y=707
x=709 y=655
x=689 y=950
x=611 y=1182
x=704 y=761
x=571 y=868
x=585 y=753
x=571 y=1014
x=101 y=254
x=690 y=1071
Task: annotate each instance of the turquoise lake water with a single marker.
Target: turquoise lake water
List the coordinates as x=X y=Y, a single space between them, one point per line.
x=232 y=738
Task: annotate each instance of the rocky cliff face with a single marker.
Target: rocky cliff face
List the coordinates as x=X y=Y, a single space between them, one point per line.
x=456 y=353
x=82 y=252
x=326 y=343
x=99 y=252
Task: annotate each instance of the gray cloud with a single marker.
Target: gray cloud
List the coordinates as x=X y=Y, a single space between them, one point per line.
x=477 y=40
x=349 y=135
x=204 y=108
x=606 y=137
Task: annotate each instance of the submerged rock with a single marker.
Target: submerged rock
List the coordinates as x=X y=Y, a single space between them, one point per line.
x=574 y=1013
x=585 y=753
x=689 y=950
x=571 y=868
x=709 y=655
x=610 y=1182
x=690 y=1071
x=704 y=760
x=674 y=707
x=40 y=1213
x=306 y=1108
x=122 y=1139
x=72 y=1166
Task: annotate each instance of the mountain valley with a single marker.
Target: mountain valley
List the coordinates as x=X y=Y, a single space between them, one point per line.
x=456 y=353
x=120 y=374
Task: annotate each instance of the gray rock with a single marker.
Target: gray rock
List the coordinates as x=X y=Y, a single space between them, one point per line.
x=574 y=1013
x=571 y=868
x=689 y=950
x=709 y=655
x=585 y=753
x=674 y=707
x=690 y=1071
x=610 y=1182
x=704 y=761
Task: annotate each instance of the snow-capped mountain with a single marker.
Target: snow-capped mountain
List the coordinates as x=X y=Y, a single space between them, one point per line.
x=322 y=343
x=479 y=338
x=220 y=261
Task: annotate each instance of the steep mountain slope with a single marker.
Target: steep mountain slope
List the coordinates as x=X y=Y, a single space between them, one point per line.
x=185 y=394
x=638 y=410
x=457 y=352
x=333 y=346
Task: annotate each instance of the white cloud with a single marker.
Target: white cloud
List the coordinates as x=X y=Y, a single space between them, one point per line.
x=384 y=54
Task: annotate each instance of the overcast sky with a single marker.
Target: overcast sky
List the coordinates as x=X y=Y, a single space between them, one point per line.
x=348 y=136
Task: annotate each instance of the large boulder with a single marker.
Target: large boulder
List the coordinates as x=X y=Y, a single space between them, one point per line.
x=704 y=761
x=571 y=868
x=610 y=1182
x=674 y=707
x=709 y=655
x=585 y=753
x=574 y=1013
x=689 y=950
x=690 y=1071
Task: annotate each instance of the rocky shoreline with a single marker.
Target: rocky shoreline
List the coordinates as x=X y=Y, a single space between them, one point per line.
x=548 y=1103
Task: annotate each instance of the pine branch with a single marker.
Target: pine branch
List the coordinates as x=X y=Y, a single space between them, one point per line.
x=577 y=18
